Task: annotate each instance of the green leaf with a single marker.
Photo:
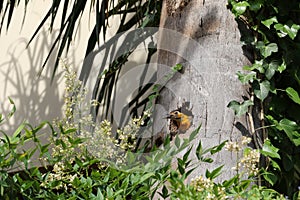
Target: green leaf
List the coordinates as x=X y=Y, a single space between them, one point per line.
x=289 y=29
x=199 y=150
x=282 y=67
x=194 y=133
x=26 y=185
x=230 y=182
x=99 y=194
x=207 y=160
x=240 y=109
x=177 y=141
x=180 y=166
x=258 y=65
x=246 y=78
x=146 y=176
x=262 y=89
x=68 y=131
x=275 y=164
x=270 y=177
x=281 y=32
x=270 y=21
x=269 y=150
x=240 y=7
x=19 y=129
x=293 y=94
x=290 y=128
x=217 y=148
x=186 y=155
x=109 y=192
x=13 y=110
x=44 y=148
x=271 y=69
x=165 y=192
x=256 y=5
x=177 y=67
x=215 y=173
x=287 y=161
x=266 y=50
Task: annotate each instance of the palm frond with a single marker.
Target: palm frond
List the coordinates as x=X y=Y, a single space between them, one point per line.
x=142 y=14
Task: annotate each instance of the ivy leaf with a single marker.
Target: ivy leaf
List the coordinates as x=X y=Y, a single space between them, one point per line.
x=262 y=89
x=270 y=21
x=290 y=128
x=256 y=5
x=271 y=68
x=282 y=67
x=293 y=94
x=258 y=65
x=269 y=150
x=289 y=29
x=266 y=51
x=240 y=109
x=281 y=31
x=270 y=177
x=240 y=7
x=246 y=78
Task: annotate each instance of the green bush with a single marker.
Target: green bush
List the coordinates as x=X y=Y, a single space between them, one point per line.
x=73 y=170
x=269 y=30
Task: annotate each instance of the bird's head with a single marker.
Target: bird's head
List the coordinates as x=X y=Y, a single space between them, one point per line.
x=175 y=115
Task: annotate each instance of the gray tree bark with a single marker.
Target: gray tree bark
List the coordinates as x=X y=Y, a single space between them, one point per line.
x=206 y=41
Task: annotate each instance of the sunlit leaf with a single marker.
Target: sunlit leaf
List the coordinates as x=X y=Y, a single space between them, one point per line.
x=215 y=173
x=289 y=29
x=258 y=65
x=291 y=129
x=246 y=78
x=269 y=21
x=13 y=109
x=270 y=177
x=266 y=50
x=240 y=7
x=282 y=67
x=269 y=150
x=261 y=90
x=240 y=108
x=293 y=94
x=271 y=69
x=194 y=133
x=256 y=5
x=217 y=148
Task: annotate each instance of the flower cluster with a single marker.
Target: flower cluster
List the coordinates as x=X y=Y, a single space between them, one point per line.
x=80 y=135
x=232 y=146
x=208 y=189
x=59 y=178
x=250 y=158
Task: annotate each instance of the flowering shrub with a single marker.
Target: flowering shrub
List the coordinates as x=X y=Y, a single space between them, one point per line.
x=83 y=160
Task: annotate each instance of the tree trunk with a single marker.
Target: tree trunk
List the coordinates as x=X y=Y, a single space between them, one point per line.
x=204 y=38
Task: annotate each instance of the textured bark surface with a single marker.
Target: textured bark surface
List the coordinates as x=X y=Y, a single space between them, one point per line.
x=211 y=54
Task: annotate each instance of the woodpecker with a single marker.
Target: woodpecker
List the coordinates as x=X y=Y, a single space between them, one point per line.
x=181 y=120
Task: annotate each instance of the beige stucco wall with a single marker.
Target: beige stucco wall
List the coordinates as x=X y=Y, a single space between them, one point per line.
x=35 y=98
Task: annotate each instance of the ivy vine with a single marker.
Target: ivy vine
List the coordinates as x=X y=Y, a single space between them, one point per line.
x=271 y=33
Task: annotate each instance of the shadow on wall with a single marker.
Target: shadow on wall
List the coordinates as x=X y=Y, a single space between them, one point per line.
x=35 y=97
